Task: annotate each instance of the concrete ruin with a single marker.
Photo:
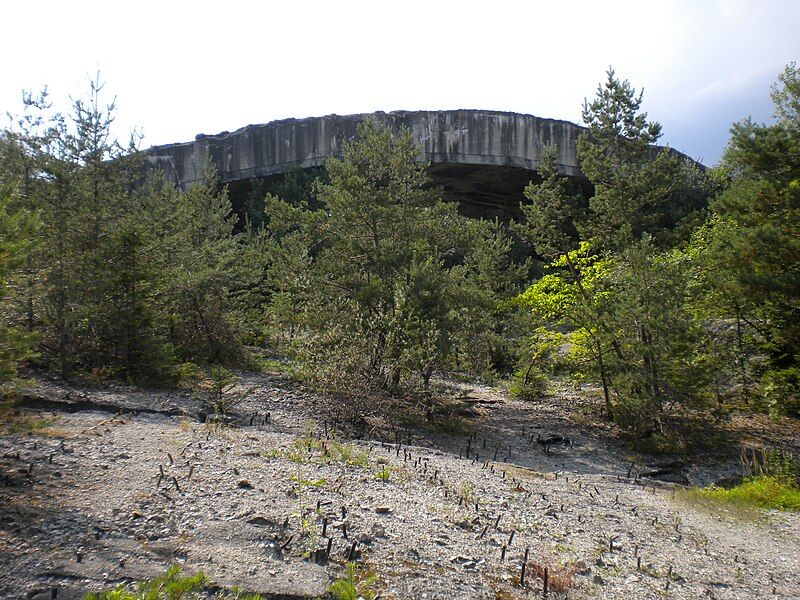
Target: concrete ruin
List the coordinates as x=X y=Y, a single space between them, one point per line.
x=481 y=159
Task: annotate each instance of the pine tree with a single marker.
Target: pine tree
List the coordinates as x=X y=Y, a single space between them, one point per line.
x=123 y=277
x=554 y=211
x=752 y=244
x=24 y=154
x=15 y=343
x=617 y=290
x=383 y=286
x=199 y=285
x=86 y=210
x=639 y=189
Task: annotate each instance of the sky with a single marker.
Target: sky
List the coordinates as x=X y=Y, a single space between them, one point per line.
x=179 y=68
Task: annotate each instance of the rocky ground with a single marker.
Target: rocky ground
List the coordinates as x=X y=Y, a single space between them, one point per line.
x=117 y=484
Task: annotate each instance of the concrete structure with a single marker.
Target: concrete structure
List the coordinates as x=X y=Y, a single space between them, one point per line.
x=482 y=159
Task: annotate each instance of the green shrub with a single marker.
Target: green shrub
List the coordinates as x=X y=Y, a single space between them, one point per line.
x=384 y=474
x=219 y=394
x=172 y=585
x=354 y=585
x=187 y=372
x=782 y=391
x=528 y=384
x=348 y=454
x=770 y=462
x=759 y=492
x=169 y=586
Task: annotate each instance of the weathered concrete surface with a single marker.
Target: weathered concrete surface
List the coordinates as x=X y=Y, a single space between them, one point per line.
x=454 y=137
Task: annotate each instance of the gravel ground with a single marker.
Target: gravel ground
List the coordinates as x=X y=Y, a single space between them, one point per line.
x=102 y=496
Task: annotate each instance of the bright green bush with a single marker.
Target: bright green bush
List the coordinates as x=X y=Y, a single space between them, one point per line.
x=528 y=384
x=758 y=492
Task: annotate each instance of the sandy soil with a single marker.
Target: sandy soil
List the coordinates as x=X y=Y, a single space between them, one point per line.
x=123 y=482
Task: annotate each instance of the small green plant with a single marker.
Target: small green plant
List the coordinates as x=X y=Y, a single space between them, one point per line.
x=172 y=585
x=354 y=585
x=563 y=548
x=187 y=373
x=528 y=384
x=348 y=454
x=297 y=454
x=302 y=449
x=218 y=393
x=309 y=533
x=300 y=481
x=466 y=493
x=384 y=473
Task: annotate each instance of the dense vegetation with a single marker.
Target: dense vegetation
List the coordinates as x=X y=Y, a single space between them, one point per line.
x=669 y=286
x=385 y=283
x=663 y=301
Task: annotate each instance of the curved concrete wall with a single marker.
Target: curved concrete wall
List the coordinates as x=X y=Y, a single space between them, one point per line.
x=474 y=137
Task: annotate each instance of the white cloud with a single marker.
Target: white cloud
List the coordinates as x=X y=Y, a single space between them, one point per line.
x=728 y=86
x=732 y=9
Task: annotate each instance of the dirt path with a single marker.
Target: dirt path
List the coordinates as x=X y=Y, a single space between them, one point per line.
x=110 y=498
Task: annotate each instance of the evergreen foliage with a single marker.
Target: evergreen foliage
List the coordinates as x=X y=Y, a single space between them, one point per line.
x=171 y=585
x=620 y=293
x=554 y=211
x=385 y=282
x=748 y=253
x=666 y=286
x=118 y=278
x=15 y=342
x=639 y=189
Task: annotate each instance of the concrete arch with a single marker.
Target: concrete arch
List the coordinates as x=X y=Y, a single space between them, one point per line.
x=452 y=137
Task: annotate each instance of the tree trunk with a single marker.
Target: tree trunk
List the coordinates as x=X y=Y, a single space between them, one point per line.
x=604 y=378
x=742 y=358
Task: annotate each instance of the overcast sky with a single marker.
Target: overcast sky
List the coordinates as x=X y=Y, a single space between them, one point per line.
x=182 y=68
